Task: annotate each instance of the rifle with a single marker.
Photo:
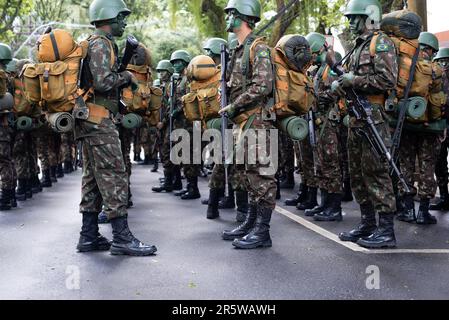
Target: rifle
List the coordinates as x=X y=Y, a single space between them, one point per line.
x=130 y=49
x=173 y=80
x=312 y=138
x=361 y=109
x=224 y=118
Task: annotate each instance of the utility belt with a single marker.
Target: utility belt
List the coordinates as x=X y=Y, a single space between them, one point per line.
x=376 y=99
x=97 y=113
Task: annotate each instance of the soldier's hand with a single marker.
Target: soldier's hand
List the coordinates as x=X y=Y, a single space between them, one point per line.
x=347 y=80
x=337 y=89
x=160 y=125
x=229 y=109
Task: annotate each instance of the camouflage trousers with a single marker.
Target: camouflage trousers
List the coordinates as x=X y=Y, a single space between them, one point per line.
x=330 y=177
x=260 y=184
x=25 y=154
x=7 y=169
x=67 y=146
x=343 y=150
x=308 y=176
x=370 y=179
x=217 y=178
x=152 y=147
x=105 y=180
x=286 y=153
x=48 y=146
x=441 y=170
x=424 y=147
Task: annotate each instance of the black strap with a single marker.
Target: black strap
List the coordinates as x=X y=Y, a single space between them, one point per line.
x=55 y=46
x=206 y=66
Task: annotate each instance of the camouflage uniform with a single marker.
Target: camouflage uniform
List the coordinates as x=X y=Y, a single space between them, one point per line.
x=67 y=146
x=105 y=180
x=370 y=178
x=261 y=188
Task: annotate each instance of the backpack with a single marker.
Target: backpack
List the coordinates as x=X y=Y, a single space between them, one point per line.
x=53 y=81
x=147 y=100
x=202 y=102
x=3 y=82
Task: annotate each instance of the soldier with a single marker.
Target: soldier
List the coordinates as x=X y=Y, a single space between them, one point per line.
x=371 y=78
x=327 y=115
x=441 y=170
x=423 y=146
x=250 y=85
x=67 y=145
x=105 y=179
x=7 y=171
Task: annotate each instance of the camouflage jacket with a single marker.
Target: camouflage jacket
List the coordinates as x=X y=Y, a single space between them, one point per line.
x=445 y=87
x=322 y=80
x=374 y=75
x=259 y=83
x=3 y=82
x=104 y=75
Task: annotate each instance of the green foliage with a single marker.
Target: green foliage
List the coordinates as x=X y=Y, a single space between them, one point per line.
x=9 y=11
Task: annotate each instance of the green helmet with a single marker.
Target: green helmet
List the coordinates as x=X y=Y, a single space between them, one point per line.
x=250 y=8
x=316 y=41
x=180 y=55
x=442 y=54
x=5 y=52
x=165 y=65
x=11 y=66
x=101 y=10
x=214 y=45
x=156 y=82
x=370 y=8
x=233 y=41
x=429 y=39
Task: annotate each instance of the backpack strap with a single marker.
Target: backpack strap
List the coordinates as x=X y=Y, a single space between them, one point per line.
x=373 y=44
x=55 y=46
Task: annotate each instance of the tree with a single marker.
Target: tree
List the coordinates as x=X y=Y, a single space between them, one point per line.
x=10 y=10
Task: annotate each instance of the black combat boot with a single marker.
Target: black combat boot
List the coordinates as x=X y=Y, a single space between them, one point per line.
x=103 y=217
x=137 y=157
x=443 y=203
x=229 y=201
x=167 y=185
x=146 y=161
x=12 y=198
x=245 y=227
x=206 y=201
x=36 y=186
x=311 y=201
x=289 y=180
x=177 y=179
x=155 y=166
x=53 y=170
x=5 y=200
x=366 y=227
x=59 y=171
x=424 y=217
x=383 y=236
x=408 y=213
x=320 y=207
x=332 y=210
x=46 y=180
x=90 y=237
x=241 y=199
x=192 y=190
x=28 y=189
x=68 y=167
x=278 y=189
x=300 y=197
x=124 y=243
x=347 y=191
x=259 y=236
x=21 y=189
x=212 y=208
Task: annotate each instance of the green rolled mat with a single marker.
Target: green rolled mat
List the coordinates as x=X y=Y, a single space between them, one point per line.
x=433 y=127
x=297 y=128
x=214 y=124
x=61 y=121
x=24 y=123
x=131 y=121
x=346 y=121
x=416 y=107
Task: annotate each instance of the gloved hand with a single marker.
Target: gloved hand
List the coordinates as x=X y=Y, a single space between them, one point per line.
x=337 y=89
x=229 y=109
x=347 y=80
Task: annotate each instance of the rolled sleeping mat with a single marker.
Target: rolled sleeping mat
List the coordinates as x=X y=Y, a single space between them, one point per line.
x=296 y=127
x=24 y=123
x=214 y=124
x=61 y=121
x=131 y=121
x=416 y=107
x=433 y=127
x=6 y=102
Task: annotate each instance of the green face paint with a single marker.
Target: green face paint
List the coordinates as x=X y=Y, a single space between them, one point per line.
x=164 y=76
x=179 y=66
x=118 y=26
x=233 y=22
x=357 y=24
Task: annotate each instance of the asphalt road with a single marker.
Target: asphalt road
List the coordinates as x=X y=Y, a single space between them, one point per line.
x=38 y=259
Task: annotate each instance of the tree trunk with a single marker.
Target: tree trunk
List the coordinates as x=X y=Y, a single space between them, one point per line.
x=420 y=7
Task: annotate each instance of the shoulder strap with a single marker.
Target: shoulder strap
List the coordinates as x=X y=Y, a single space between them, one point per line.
x=55 y=46
x=246 y=55
x=373 y=44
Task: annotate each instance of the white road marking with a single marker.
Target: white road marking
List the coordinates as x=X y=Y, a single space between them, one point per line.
x=352 y=246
